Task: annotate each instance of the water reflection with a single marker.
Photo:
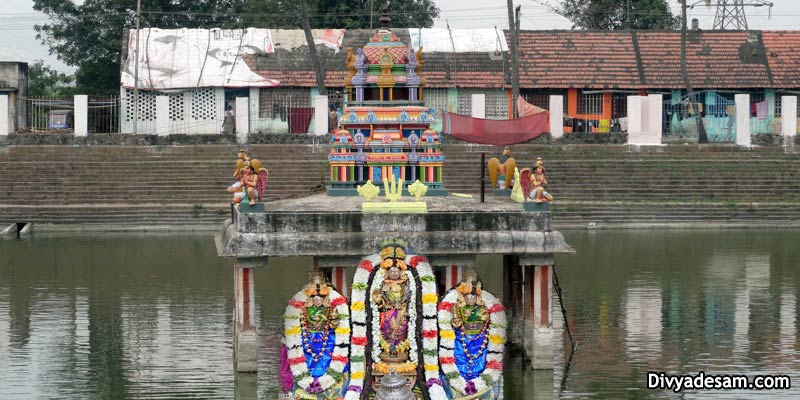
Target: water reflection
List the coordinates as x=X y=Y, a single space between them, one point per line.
x=150 y=317
x=642 y=320
x=685 y=301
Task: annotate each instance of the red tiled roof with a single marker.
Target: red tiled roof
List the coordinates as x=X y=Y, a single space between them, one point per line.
x=294 y=68
x=584 y=60
x=783 y=53
x=651 y=59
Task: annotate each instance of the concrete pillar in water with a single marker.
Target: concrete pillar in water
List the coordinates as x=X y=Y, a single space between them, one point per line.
x=245 y=338
x=449 y=269
x=337 y=270
x=537 y=289
x=513 y=298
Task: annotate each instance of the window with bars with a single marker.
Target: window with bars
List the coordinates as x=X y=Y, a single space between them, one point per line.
x=204 y=104
x=147 y=106
x=619 y=105
x=336 y=97
x=274 y=103
x=465 y=101
x=436 y=99
x=541 y=98
x=497 y=105
x=590 y=103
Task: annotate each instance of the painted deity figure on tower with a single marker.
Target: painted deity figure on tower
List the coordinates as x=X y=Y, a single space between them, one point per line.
x=314 y=358
x=472 y=327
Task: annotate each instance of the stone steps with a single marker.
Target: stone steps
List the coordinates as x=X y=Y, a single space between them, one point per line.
x=130 y=179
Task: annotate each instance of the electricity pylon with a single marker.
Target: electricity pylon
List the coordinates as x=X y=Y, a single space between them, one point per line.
x=730 y=13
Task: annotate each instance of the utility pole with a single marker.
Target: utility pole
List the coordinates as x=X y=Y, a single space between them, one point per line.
x=312 y=48
x=701 y=130
x=512 y=28
x=371 y=11
x=136 y=70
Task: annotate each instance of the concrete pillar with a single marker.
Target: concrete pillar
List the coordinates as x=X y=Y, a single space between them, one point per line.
x=635 y=123
x=452 y=276
x=788 y=118
x=513 y=298
x=255 y=96
x=320 y=115
x=743 y=120
x=655 y=117
x=162 y=115
x=339 y=280
x=4 y=117
x=539 y=315
x=245 y=340
x=81 y=115
x=479 y=105
x=556 y=116
x=242 y=119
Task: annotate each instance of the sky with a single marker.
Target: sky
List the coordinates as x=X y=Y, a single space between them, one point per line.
x=18 y=39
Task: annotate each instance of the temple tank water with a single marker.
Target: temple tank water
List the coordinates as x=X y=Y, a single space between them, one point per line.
x=119 y=316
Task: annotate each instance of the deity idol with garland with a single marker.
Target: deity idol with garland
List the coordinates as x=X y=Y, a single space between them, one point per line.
x=314 y=358
x=394 y=324
x=472 y=331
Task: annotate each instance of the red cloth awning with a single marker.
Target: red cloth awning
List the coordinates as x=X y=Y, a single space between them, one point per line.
x=495 y=132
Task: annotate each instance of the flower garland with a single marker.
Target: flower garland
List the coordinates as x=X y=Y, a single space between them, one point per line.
x=429 y=324
x=294 y=343
x=494 y=356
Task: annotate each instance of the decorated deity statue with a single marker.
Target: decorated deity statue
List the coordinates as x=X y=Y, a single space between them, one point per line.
x=534 y=183
x=472 y=326
x=394 y=324
x=314 y=359
x=391 y=300
x=500 y=167
x=252 y=183
x=240 y=162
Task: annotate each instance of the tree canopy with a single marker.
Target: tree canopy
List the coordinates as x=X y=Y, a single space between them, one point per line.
x=43 y=81
x=90 y=36
x=618 y=14
x=349 y=14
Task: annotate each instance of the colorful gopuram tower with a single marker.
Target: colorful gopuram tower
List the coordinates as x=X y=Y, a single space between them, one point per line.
x=385 y=129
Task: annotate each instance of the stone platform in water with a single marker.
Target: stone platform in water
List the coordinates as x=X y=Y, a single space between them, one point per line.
x=335 y=226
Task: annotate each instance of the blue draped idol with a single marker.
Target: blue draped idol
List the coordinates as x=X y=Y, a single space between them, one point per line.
x=473 y=347
x=318 y=368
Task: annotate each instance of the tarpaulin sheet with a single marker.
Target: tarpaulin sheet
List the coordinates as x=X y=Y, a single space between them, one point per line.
x=495 y=132
x=526 y=108
x=189 y=58
x=444 y=40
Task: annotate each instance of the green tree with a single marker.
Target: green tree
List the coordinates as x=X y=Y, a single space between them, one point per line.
x=44 y=81
x=349 y=14
x=89 y=36
x=618 y=14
